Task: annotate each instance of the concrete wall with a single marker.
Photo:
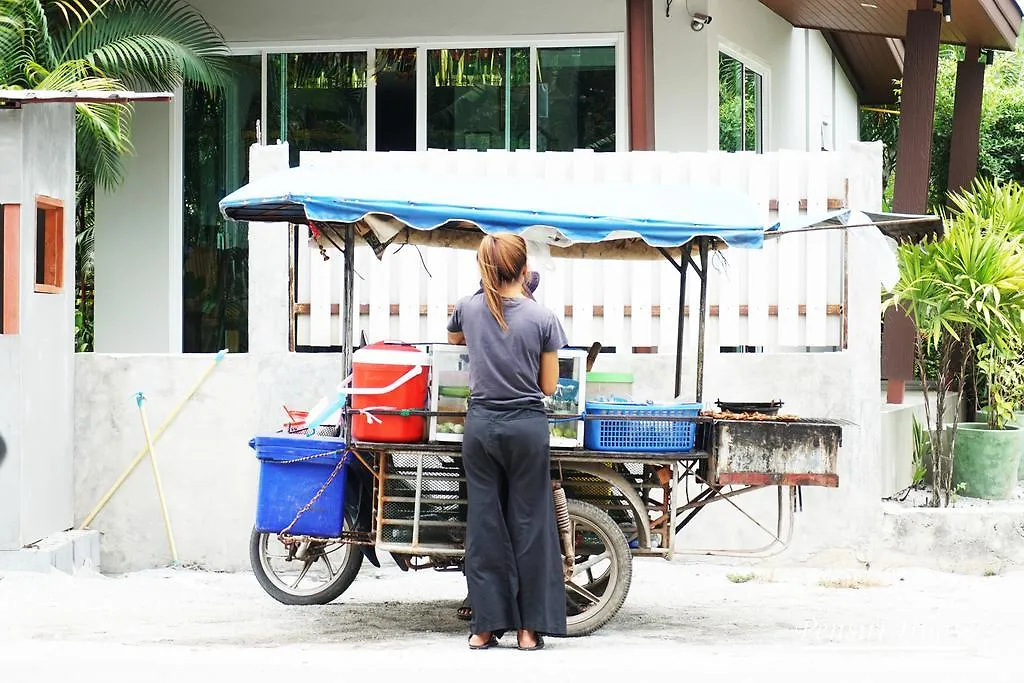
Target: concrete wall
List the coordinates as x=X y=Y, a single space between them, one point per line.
x=897 y=466
x=36 y=375
x=208 y=471
x=11 y=183
x=138 y=242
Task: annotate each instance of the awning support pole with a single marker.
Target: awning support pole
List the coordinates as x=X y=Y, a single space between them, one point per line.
x=703 y=272
x=348 y=320
x=684 y=263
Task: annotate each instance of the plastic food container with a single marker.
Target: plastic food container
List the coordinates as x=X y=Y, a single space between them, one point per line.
x=608 y=386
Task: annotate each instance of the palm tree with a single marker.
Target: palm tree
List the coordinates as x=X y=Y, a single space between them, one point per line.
x=107 y=45
x=90 y=45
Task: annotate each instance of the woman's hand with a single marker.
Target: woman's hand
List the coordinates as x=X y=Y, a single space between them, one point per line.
x=549 y=372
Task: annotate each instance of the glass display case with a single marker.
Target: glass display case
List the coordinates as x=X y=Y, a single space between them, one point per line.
x=565 y=407
x=449 y=393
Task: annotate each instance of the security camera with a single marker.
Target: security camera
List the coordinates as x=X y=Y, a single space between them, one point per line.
x=699 y=21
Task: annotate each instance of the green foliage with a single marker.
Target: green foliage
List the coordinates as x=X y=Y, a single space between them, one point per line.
x=1004 y=382
x=739 y=96
x=83 y=322
x=989 y=200
x=922 y=451
x=103 y=45
x=1001 y=143
x=970 y=281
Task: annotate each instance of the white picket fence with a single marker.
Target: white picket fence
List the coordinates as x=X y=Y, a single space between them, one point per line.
x=787 y=296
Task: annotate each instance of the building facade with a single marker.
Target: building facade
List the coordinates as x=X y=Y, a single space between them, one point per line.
x=172 y=275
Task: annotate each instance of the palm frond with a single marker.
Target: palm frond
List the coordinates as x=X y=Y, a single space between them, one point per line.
x=103 y=130
x=24 y=37
x=103 y=139
x=154 y=44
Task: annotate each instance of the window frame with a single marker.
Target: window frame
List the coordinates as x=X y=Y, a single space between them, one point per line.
x=535 y=42
x=752 y=63
x=10 y=268
x=53 y=246
x=423 y=44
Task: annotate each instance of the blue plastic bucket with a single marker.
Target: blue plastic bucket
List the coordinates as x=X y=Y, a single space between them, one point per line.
x=286 y=486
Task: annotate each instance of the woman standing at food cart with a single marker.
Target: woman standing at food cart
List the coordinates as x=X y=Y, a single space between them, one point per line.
x=513 y=555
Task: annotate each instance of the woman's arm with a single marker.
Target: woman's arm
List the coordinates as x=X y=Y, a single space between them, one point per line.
x=549 y=372
x=456 y=335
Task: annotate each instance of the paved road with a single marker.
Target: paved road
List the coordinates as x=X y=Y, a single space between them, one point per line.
x=680 y=620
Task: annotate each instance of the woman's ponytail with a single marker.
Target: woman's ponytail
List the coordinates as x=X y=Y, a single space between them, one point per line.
x=501 y=259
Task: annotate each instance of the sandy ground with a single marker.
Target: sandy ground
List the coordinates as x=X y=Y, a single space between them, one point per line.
x=681 y=619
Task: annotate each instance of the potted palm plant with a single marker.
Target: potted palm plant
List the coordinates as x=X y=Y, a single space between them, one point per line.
x=970 y=280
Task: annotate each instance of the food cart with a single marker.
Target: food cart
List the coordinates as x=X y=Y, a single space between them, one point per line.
x=627 y=477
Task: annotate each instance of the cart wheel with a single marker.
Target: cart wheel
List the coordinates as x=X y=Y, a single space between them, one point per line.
x=326 y=571
x=603 y=572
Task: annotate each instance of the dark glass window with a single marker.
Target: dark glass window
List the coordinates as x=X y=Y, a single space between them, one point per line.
x=218 y=129
x=317 y=101
x=576 y=99
x=395 y=76
x=478 y=99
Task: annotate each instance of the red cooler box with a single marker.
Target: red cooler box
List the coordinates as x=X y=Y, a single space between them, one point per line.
x=389 y=376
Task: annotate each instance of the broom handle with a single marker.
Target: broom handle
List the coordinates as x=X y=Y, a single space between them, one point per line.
x=156 y=437
x=139 y=398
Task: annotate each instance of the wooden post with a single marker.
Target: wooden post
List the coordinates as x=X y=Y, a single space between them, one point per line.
x=913 y=166
x=917 y=110
x=640 y=38
x=966 y=133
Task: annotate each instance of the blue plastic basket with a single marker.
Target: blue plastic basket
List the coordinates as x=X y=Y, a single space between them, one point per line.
x=288 y=482
x=640 y=436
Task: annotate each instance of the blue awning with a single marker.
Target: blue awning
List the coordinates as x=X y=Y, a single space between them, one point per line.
x=579 y=212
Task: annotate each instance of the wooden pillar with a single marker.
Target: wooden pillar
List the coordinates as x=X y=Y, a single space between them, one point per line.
x=917 y=110
x=640 y=39
x=966 y=134
x=913 y=166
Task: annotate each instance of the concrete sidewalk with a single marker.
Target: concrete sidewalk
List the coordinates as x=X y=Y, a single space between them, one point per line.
x=680 y=619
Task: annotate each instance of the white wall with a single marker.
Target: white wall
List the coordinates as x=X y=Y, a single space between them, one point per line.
x=11 y=181
x=138 y=242
x=36 y=373
x=330 y=20
x=804 y=85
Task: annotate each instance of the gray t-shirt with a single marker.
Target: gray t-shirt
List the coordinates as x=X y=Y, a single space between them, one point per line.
x=504 y=367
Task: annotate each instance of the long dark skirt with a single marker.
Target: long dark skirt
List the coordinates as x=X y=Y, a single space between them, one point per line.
x=513 y=554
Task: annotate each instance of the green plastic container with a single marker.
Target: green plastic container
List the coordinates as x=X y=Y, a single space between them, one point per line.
x=608 y=385
x=986 y=461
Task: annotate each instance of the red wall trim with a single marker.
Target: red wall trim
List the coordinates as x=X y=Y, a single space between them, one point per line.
x=9 y=324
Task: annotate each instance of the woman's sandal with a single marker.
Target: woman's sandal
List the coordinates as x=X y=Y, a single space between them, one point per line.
x=465 y=612
x=491 y=642
x=539 y=645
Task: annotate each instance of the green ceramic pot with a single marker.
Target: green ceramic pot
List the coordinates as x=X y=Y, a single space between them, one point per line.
x=1017 y=420
x=986 y=461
